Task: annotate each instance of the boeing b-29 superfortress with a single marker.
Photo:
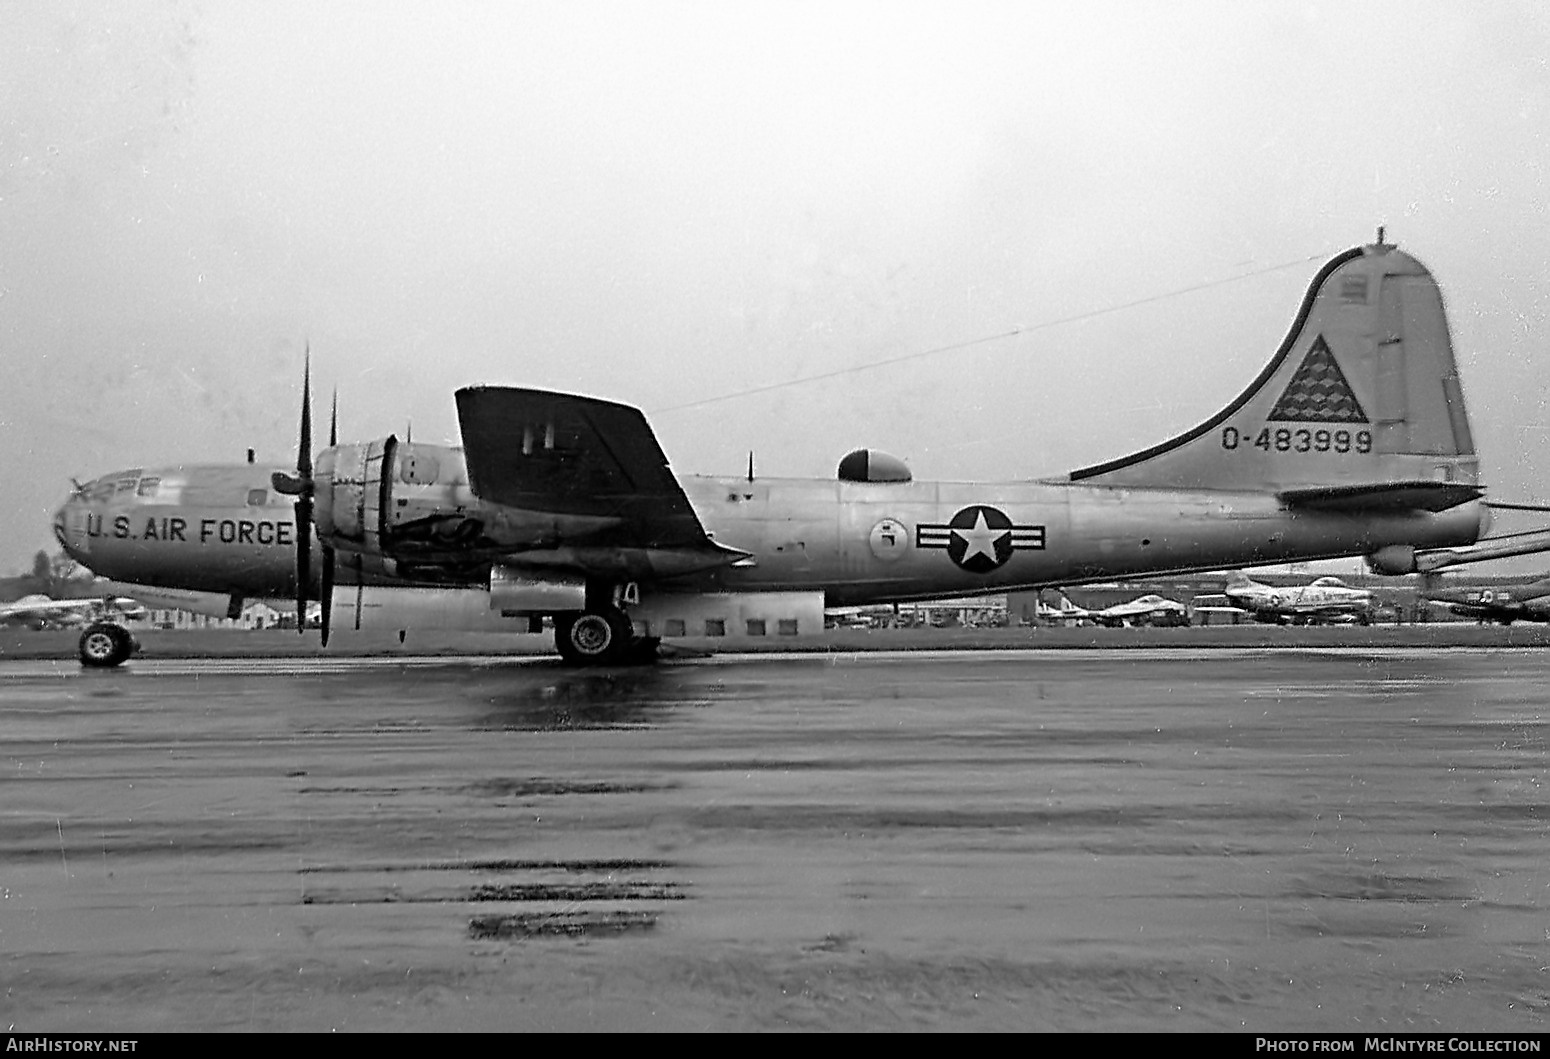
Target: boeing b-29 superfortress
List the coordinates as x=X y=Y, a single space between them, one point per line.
x=1353 y=440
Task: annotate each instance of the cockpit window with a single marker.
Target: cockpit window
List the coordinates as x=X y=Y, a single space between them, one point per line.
x=257 y=497
x=148 y=486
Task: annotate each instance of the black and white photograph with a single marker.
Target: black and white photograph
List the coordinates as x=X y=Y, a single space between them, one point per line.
x=775 y=516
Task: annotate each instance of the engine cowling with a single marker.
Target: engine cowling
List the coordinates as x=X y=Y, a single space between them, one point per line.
x=398 y=499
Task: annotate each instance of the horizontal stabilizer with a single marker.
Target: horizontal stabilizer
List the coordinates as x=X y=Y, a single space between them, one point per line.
x=1503 y=547
x=1386 y=497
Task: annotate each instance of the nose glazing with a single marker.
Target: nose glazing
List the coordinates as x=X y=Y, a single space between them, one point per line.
x=70 y=526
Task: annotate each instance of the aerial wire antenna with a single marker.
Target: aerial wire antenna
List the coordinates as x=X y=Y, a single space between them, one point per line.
x=983 y=340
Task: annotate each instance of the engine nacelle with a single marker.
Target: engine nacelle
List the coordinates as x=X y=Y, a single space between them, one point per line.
x=412 y=504
x=398 y=499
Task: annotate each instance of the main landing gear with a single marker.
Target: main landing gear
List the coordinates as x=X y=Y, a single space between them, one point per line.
x=601 y=636
x=104 y=645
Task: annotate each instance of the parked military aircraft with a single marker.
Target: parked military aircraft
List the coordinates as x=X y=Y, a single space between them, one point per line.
x=1325 y=600
x=1528 y=601
x=1353 y=440
x=40 y=610
x=1144 y=610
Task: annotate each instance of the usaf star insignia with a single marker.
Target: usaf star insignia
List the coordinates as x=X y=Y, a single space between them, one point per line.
x=979 y=538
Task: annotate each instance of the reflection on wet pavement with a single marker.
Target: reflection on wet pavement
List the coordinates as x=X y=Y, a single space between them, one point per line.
x=1084 y=840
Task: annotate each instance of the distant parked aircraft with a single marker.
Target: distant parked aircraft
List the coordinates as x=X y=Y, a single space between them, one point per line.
x=1146 y=610
x=1525 y=601
x=39 y=610
x=1327 y=600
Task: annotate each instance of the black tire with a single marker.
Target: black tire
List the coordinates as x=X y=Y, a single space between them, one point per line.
x=104 y=645
x=592 y=637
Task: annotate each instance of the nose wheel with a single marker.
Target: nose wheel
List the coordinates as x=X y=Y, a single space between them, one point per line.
x=104 y=645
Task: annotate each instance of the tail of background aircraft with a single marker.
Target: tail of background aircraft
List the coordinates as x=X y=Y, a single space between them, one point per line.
x=1360 y=407
x=1067 y=607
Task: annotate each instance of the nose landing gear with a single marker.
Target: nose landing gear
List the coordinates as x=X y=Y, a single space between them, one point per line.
x=104 y=645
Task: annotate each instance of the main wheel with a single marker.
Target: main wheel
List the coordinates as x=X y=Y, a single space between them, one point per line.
x=105 y=645
x=592 y=637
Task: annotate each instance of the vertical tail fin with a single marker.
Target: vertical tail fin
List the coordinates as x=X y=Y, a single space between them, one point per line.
x=1363 y=393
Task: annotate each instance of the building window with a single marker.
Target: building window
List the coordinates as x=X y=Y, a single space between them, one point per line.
x=715 y=627
x=788 y=626
x=755 y=626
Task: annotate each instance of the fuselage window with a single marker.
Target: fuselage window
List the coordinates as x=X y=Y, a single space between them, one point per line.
x=755 y=626
x=715 y=627
x=257 y=497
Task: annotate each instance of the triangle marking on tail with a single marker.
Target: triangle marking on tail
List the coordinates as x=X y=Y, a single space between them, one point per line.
x=1319 y=392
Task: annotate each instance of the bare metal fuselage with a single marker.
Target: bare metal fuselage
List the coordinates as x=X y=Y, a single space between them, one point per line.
x=813 y=533
x=222 y=529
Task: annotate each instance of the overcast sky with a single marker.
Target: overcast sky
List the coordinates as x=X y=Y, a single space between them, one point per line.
x=669 y=203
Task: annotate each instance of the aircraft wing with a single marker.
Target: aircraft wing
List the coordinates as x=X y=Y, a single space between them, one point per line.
x=541 y=451
x=53 y=606
x=51 y=610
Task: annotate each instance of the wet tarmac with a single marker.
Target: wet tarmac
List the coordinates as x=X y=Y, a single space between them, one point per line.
x=1324 y=839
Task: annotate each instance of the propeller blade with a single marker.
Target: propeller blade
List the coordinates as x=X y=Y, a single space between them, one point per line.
x=327 y=595
x=304 y=496
x=326 y=590
x=304 y=449
x=303 y=559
